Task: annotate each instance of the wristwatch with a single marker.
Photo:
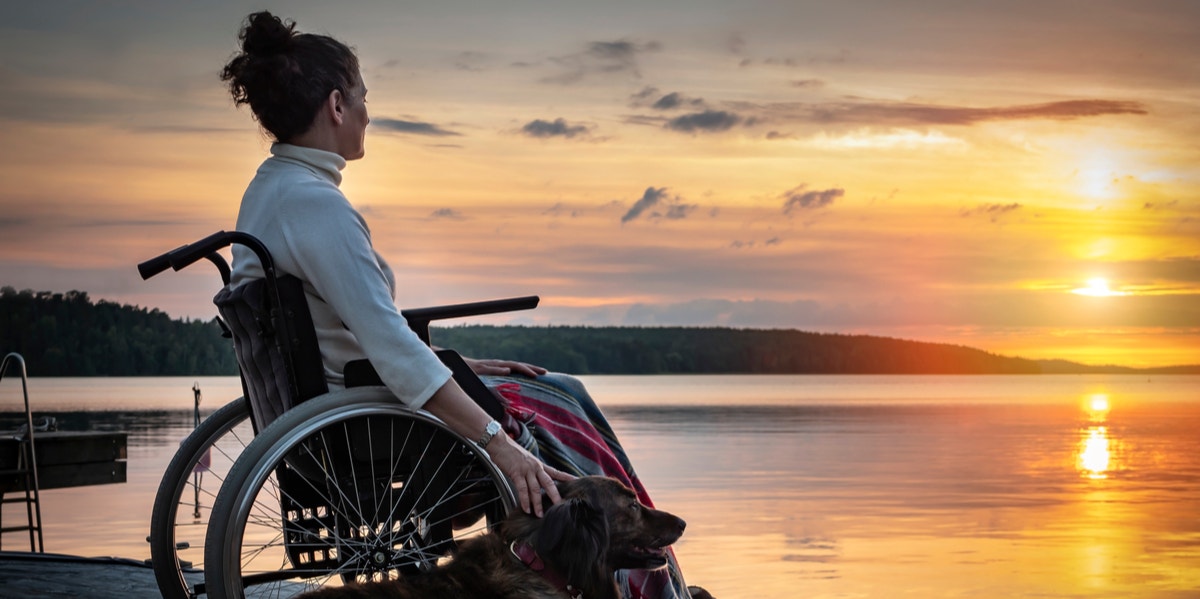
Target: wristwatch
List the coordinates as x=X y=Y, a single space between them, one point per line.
x=493 y=427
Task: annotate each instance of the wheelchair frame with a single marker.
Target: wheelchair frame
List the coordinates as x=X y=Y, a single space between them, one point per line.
x=340 y=535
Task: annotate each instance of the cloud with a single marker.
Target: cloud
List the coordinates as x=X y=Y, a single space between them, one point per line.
x=668 y=207
x=651 y=97
x=738 y=244
x=1160 y=205
x=708 y=121
x=447 y=213
x=470 y=61
x=601 y=58
x=562 y=209
x=991 y=211
x=808 y=83
x=798 y=198
x=907 y=113
x=675 y=100
x=678 y=211
x=556 y=128
x=412 y=127
x=649 y=199
x=644 y=96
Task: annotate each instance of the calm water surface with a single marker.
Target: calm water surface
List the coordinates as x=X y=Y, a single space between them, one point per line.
x=818 y=486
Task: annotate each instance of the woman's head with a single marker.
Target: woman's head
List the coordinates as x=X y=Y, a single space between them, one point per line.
x=286 y=76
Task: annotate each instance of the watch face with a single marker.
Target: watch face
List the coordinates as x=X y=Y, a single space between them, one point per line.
x=493 y=427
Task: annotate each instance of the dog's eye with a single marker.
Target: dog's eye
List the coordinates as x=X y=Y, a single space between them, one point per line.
x=634 y=505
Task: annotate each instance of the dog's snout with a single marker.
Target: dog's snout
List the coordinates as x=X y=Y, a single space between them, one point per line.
x=680 y=523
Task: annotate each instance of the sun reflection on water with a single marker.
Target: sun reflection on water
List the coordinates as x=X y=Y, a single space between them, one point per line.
x=1095 y=456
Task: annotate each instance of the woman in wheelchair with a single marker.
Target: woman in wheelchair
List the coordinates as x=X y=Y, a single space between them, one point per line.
x=307 y=92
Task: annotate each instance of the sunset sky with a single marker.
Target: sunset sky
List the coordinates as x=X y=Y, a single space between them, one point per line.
x=1018 y=176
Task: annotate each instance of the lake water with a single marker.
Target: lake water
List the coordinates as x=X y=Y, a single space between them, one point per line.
x=813 y=486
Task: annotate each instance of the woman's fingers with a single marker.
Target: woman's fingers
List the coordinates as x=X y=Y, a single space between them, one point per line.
x=551 y=489
x=520 y=490
x=535 y=493
x=528 y=370
x=503 y=367
x=559 y=475
x=530 y=477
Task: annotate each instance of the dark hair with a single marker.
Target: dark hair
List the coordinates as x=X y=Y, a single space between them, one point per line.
x=285 y=76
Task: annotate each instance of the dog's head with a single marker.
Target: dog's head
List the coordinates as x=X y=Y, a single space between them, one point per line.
x=638 y=535
x=598 y=527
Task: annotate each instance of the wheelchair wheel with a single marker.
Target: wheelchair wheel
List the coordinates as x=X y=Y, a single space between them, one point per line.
x=183 y=505
x=349 y=486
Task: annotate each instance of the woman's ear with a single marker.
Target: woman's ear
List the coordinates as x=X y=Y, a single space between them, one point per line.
x=335 y=106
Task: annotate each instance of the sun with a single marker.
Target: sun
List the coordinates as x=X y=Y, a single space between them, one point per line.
x=1097 y=287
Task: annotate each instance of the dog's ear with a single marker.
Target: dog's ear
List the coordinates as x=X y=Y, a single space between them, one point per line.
x=573 y=538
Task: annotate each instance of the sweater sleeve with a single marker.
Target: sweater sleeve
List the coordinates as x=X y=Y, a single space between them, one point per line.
x=332 y=247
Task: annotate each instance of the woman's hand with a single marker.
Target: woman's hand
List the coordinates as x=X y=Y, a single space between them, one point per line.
x=530 y=477
x=503 y=367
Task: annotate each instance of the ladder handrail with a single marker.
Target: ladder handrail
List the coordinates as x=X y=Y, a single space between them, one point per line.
x=34 y=505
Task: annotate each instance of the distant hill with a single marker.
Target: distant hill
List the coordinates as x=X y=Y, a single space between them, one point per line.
x=66 y=334
x=714 y=350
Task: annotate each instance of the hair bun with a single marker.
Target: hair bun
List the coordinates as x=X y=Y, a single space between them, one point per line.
x=265 y=34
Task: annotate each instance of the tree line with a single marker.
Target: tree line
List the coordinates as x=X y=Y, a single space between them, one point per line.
x=66 y=334
x=717 y=350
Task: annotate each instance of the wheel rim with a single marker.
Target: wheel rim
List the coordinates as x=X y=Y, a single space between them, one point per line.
x=363 y=493
x=183 y=507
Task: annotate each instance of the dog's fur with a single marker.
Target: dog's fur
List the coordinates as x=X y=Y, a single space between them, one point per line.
x=598 y=527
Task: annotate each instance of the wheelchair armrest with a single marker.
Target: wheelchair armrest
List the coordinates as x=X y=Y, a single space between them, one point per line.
x=419 y=318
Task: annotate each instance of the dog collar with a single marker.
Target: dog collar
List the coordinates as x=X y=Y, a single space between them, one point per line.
x=528 y=556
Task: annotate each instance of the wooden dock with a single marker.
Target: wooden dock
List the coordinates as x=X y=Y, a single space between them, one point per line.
x=67 y=459
x=37 y=575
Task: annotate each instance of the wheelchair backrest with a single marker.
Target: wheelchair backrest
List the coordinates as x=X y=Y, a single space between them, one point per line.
x=276 y=345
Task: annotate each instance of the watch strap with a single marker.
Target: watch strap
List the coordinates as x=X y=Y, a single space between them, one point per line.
x=490 y=431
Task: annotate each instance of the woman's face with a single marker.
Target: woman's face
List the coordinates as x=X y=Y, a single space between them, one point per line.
x=351 y=141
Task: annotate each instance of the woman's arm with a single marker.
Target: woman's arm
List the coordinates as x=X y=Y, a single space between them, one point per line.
x=530 y=477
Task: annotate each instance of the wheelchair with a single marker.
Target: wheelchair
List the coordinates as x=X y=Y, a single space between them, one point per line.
x=314 y=487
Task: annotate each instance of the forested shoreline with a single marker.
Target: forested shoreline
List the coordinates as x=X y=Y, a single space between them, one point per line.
x=66 y=334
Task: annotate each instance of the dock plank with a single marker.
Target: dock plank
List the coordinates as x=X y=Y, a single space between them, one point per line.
x=53 y=575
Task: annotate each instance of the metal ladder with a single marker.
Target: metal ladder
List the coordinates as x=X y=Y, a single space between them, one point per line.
x=25 y=470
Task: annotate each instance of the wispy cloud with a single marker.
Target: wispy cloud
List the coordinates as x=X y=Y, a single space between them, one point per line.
x=562 y=209
x=412 y=127
x=908 y=113
x=709 y=121
x=651 y=97
x=808 y=83
x=992 y=212
x=799 y=198
x=660 y=204
x=601 y=58
x=447 y=214
x=556 y=128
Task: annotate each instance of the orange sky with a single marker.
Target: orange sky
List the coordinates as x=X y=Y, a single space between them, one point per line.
x=937 y=171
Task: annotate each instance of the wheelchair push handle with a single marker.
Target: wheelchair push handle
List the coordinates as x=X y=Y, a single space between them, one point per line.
x=157 y=264
x=185 y=255
x=190 y=253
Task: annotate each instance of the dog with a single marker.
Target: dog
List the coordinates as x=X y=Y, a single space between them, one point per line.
x=599 y=527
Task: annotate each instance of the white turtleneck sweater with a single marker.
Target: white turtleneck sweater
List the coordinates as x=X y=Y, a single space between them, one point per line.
x=295 y=208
